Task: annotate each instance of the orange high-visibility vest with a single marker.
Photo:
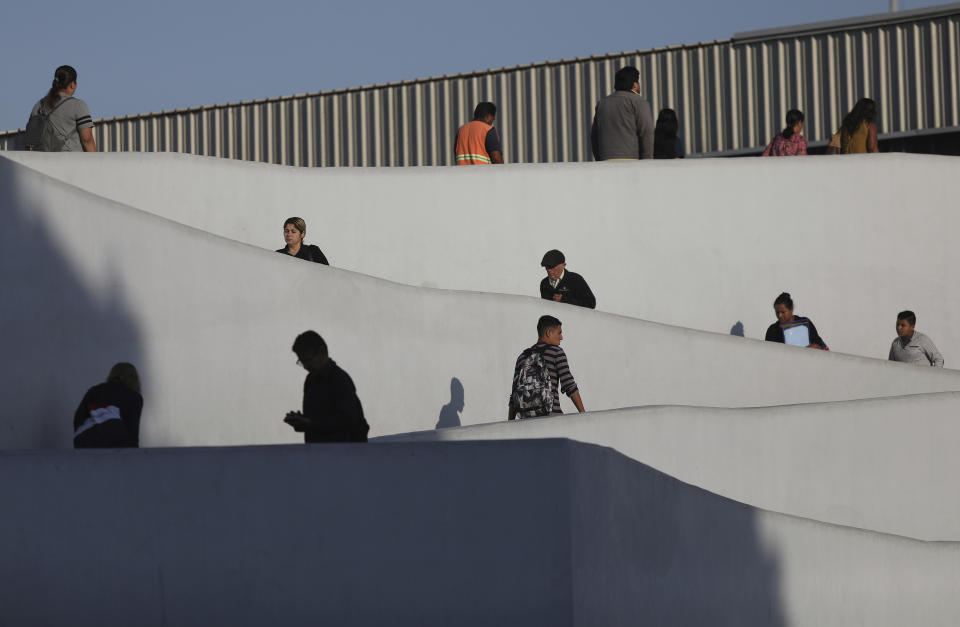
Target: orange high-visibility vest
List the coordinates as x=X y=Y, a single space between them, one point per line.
x=471 y=145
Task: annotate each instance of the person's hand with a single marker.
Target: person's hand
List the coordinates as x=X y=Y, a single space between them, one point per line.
x=296 y=420
x=558 y=297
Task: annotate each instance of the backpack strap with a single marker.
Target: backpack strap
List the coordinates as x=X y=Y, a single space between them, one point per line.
x=63 y=99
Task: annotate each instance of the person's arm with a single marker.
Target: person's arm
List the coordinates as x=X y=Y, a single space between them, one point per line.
x=493 y=147
x=87 y=140
x=318 y=256
x=594 y=135
x=890 y=356
x=131 y=419
x=774 y=333
x=645 y=129
x=933 y=355
x=511 y=412
x=564 y=377
x=581 y=295
x=546 y=290
x=577 y=402
x=815 y=340
x=341 y=417
x=80 y=416
x=803 y=146
x=872 y=144
x=766 y=151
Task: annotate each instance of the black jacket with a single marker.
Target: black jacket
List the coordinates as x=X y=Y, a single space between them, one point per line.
x=310 y=252
x=574 y=289
x=111 y=433
x=330 y=401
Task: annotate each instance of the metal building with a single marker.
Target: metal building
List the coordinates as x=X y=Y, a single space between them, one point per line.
x=731 y=96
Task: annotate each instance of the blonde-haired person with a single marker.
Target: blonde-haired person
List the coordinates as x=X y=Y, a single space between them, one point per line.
x=109 y=414
x=294 y=230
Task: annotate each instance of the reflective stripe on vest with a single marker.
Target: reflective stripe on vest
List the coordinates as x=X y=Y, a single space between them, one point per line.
x=471 y=145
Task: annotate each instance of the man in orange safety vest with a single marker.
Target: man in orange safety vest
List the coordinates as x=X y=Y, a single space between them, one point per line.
x=477 y=141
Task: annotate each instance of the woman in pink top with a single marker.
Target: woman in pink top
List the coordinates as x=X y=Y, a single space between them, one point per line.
x=790 y=141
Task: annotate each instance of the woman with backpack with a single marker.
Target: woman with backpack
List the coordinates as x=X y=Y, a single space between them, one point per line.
x=59 y=122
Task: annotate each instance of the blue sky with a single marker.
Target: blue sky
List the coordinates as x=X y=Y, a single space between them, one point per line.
x=138 y=57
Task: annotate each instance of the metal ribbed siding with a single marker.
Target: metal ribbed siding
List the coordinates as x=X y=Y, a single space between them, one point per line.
x=728 y=95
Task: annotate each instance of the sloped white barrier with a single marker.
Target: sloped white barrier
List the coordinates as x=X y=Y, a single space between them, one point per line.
x=705 y=243
x=887 y=464
x=525 y=533
x=210 y=323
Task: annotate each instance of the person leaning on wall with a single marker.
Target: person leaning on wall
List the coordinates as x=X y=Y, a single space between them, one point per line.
x=61 y=122
x=294 y=230
x=911 y=346
x=792 y=329
x=109 y=414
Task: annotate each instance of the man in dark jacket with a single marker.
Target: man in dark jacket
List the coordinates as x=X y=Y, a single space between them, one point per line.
x=331 y=409
x=563 y=286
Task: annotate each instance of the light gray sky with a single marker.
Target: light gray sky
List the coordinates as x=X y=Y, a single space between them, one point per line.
x=139 y=57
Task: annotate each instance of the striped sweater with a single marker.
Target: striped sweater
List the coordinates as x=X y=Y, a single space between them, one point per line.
x=559 y=370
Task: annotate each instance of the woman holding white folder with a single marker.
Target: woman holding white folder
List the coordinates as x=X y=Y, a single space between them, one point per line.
x=791 y=329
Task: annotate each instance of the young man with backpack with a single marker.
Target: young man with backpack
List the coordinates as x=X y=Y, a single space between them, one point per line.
x=541 y=374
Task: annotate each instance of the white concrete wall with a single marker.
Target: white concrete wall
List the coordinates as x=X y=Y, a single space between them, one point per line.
x=703 y=244
x=885 y=465
x=210 y=322
x=473 y=533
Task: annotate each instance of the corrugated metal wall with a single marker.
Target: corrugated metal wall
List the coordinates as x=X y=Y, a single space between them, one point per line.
x=728 y=94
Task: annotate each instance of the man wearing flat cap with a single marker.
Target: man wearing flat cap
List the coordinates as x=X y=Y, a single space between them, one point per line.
x=562 y=285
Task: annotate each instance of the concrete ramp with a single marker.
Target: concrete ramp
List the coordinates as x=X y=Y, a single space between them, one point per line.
x=886 y=464
x=546 y=532
x=700 y=243
x=210 y=322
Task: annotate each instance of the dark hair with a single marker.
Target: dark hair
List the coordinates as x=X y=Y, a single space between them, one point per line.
x=624 y=79
x=784 y=299
x=298 y=223
x=665 y=135
x=793 y=116
x=310 y=342
x=545 y=323
x=484 y=109
x=909 y=316
x=864 y=111
x=63 y=76
x=125 y=374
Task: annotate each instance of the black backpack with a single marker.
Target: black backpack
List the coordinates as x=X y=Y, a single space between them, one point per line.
x=532 y=393
x=40 y=134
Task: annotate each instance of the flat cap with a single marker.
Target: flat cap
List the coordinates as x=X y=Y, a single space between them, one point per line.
x=552 y=258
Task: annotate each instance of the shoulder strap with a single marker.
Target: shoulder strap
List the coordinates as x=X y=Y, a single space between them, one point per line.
x=57 y=106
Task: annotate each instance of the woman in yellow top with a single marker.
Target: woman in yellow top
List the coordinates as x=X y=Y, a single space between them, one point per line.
x=858 y=134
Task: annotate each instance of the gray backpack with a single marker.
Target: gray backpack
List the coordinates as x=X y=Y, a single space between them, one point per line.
x=41 y=134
